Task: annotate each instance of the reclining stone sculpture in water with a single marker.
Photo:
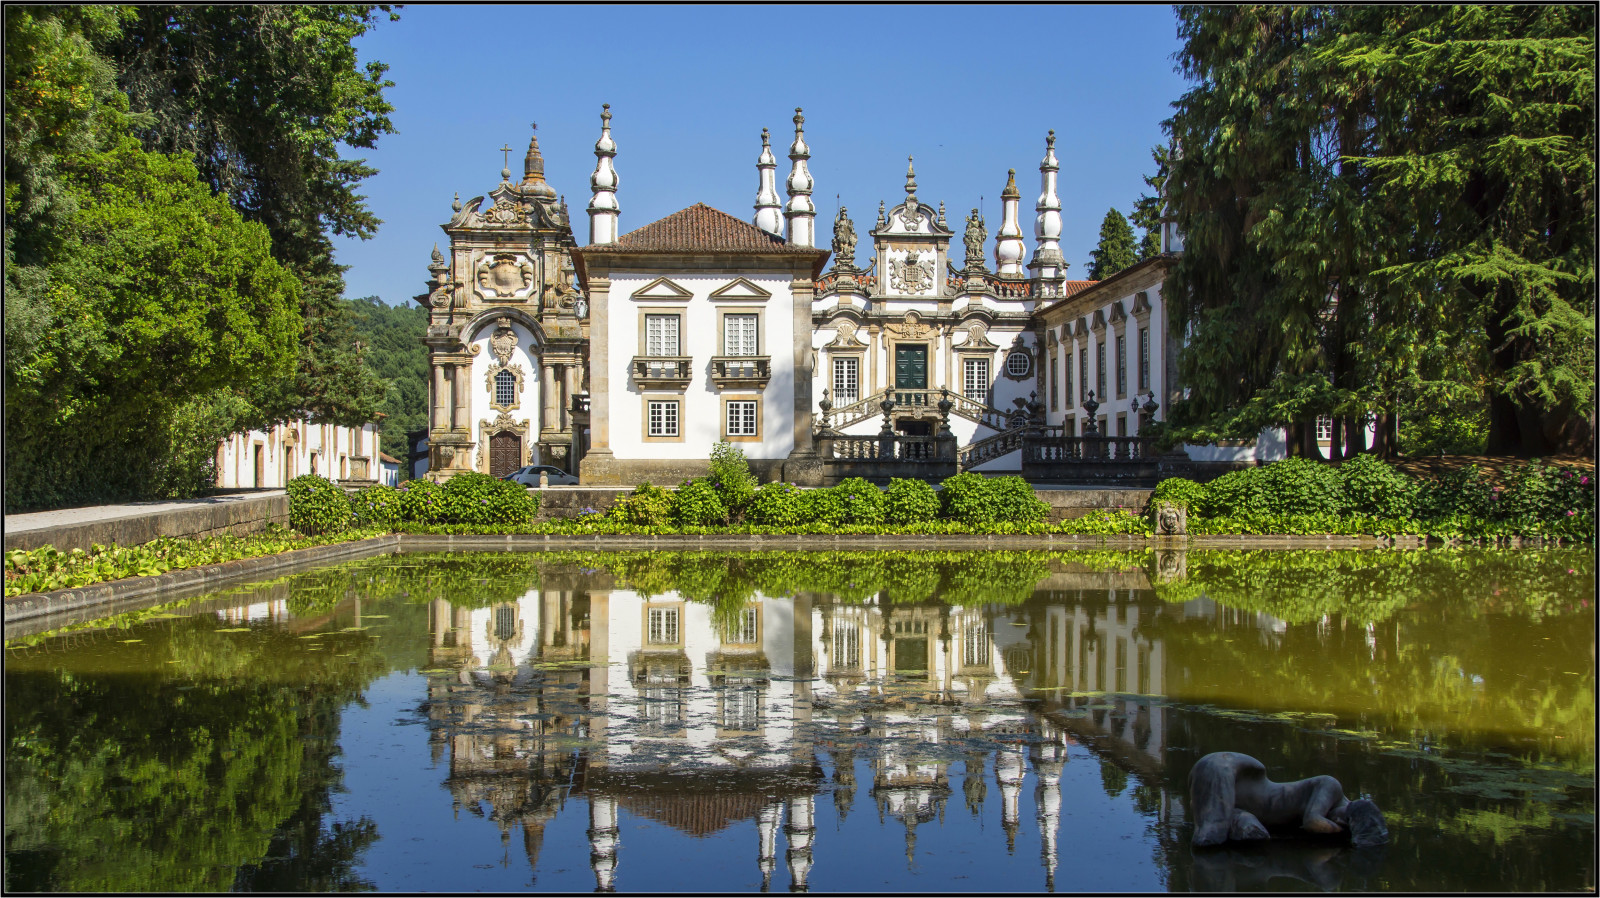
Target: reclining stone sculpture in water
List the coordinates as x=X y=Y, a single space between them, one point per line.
x=1232 y=799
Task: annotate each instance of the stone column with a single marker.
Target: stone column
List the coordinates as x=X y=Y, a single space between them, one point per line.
x=463 y=374
x=801 y=290
x=599 y=380
x=569 y=386
x=550 y=420
x=441 y=398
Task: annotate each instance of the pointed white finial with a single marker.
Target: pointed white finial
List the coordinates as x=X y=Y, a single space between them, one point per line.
x=769 y=216
x=603 y=208
x=1008 y=248
x=801 y=213
x=1047 y=263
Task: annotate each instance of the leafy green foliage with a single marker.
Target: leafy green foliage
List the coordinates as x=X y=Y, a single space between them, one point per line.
x=376 y=506
x=1372 y=487
x=422 y=502
x=476 y=498
x=317 y=506
x=861 y=501
x=730 y=474
x=698 y=503
x=46 y=569
x=776 y=504
x=1179 y=491
x=1107 y=522
x=393 y=349
x=965 y=498
x=1115 y=250
x=647 y=505
x=1015 y=502
x=909 y=501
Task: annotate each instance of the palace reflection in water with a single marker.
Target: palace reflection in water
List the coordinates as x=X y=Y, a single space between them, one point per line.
x=699 y=717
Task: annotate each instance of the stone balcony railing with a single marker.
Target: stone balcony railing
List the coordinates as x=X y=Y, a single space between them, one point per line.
x=749 y=372
x=662 y=372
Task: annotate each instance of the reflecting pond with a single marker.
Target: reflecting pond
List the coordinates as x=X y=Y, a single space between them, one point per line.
x=872 y=721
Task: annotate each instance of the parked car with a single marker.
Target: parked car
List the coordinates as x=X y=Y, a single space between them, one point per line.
x=529 y=476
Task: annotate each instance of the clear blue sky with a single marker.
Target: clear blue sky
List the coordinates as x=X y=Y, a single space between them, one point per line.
x=968 y=90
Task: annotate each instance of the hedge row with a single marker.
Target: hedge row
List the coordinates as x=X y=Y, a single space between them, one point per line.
x=317 y=506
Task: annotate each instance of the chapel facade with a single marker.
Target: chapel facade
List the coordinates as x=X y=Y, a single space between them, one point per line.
x=630 y=356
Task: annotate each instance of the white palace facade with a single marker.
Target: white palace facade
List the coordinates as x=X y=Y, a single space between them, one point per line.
x=629 y=357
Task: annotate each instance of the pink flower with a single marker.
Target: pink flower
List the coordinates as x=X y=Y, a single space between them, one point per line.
x=1570 y=512
x=1584 y=481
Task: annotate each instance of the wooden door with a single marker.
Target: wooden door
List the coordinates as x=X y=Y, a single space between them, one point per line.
x=504 y=453
x=911 y=367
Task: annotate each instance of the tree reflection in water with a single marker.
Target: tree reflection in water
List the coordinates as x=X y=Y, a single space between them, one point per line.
x=710 y=693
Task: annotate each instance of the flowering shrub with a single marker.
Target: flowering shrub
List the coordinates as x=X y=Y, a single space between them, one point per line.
x=317 y=506
x=861 y=502
x=474 y=498
x=1372 y=487
x=776 y=504
x=376 y=506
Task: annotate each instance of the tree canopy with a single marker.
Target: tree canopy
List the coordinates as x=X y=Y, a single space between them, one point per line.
x=1386 y=210
x=1115 y=250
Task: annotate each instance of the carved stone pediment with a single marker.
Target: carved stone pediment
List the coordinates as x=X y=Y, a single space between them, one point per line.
x=978 y=337
x=466 y=216
x=741 y=289
x=503 y=422
x=1117 y=314
x=1099 y=320
x=663 y=288
x=845 y=337
x=1141 y=303
x=912 y=328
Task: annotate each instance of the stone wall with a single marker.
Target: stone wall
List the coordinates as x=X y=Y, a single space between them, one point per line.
x=204 y=517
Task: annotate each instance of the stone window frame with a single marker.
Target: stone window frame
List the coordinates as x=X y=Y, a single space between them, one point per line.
x=1141 y=317
x=722 y=637
x=859 y=357
x=516 y=392
x=727 y=400
x=675 y=608
x=1017 y=351
x=645 y=400
x=679 y=312
x=968 y=358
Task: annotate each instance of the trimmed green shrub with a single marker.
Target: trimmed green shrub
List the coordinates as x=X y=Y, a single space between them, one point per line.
x=476 y=498
x=1462 y=492
x=421 y=502
x=1179 y=491
x=910 y=502
x=862 y=501
x=317 y=506
x=776 y=504
x=647 y=506
x=1374 y=488
x=1302 y=486
x=965 y=498
x=698 y=504
x=376 y=506
x=1234 y=493
x=1014 y=501
x=825 y=507
x=730 y=474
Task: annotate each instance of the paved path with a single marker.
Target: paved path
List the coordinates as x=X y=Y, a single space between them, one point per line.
x=39 y=520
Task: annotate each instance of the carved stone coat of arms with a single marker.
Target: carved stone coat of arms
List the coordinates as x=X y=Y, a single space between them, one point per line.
x=911 y=275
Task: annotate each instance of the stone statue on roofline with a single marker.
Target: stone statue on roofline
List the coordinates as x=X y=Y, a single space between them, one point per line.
x=844 y=242
x=975 y=237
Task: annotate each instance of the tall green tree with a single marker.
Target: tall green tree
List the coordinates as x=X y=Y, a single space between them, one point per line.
x=263 y=97
x=1115 y=250
x=1386 y=211
x=1147 y=209
x=392 y=336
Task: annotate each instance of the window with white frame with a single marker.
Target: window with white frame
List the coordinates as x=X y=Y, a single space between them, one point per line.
x=846 y=381
x=1144 y=358
x=975 y=380
x=1122 y=365
x=663 y=418
x=742 y=418
x=1324 y=429
x=846 y=645
x=1100 y=371
x=661 y=335
x=505 y=389
x=975 y=645
x=663 y=629
x=739 y=334
x=743 y=630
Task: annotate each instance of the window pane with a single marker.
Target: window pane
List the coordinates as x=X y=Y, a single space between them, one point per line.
x=505 y=388
x=975 y=385
x=1018 y=363
x=1083 y=374
x=663 y=626
x=846 y=381
x=1144 y=358
x=661 y=334
x=1122 y=365
x=663 y=419
x=739 y=334
x=742 y=419
x=1100 y=371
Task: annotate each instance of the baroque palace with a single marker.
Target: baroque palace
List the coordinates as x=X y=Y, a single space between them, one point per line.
x=629 y=357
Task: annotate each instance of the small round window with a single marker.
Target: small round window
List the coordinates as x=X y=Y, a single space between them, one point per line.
x=1018 y=363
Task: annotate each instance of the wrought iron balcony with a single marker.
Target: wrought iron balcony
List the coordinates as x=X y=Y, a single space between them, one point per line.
x=749 y=372
x=662 y=372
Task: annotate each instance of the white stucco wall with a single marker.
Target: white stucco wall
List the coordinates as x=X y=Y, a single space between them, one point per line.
x=531 y=398
x=332 y=446
x=700 y=415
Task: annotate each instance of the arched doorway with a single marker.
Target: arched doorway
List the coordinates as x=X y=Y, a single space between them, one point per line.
x=505 y=455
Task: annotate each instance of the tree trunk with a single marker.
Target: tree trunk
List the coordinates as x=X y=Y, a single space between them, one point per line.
x=1336 y=441
x=1293 y=445
x=1382 y=446
x=1355 y=436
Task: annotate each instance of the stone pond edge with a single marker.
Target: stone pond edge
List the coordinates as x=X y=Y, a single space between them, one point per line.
x=115 y=596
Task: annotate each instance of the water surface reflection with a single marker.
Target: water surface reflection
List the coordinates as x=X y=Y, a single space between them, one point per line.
x=839 y=721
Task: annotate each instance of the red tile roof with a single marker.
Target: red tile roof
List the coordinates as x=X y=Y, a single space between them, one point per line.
x=1072 y=288
x=700 y=229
